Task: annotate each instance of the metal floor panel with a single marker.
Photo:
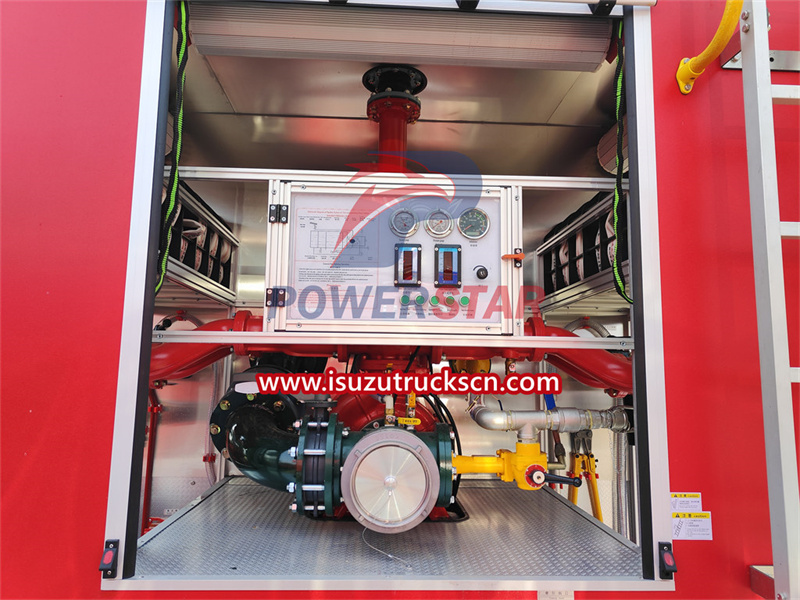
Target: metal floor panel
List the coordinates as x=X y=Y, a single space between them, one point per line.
x=242 y=530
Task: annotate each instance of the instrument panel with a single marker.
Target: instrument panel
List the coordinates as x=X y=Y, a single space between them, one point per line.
x=426 y=261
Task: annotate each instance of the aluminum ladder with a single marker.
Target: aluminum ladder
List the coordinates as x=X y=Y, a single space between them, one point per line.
x=773 y=340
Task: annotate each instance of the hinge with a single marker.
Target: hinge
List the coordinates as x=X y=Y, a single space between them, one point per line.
x=603 y=8
x=276 y=297
x=278 y=213
x=108 y=564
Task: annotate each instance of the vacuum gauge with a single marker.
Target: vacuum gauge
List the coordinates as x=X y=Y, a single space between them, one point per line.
x=403 y=223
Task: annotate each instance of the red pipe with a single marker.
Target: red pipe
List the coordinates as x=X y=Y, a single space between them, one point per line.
x=153 y=409
x=393 y=140
x=393 y=115
x=596 y=368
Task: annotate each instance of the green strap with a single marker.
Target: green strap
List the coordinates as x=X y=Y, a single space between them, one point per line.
x=168 y=208
x=619 y=282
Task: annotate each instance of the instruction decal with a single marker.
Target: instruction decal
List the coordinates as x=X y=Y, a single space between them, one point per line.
x=691 y=525
x=686 y=501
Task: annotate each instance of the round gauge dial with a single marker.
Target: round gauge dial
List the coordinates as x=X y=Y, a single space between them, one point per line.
x=473 y=223
x=439 y=223
x=403 y=223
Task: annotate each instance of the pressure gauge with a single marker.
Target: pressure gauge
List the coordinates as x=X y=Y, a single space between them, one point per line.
x=439 y=223
x=403 y=223
x=473 y=223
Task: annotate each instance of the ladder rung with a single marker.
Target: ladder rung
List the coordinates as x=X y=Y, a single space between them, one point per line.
x=790 y=230
x=794 y=374
x=785 y=94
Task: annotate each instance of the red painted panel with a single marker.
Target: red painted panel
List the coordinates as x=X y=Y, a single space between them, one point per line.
x=69 y=98
x=69 y=101
x=713 y=386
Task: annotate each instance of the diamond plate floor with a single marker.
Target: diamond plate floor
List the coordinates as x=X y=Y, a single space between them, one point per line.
x=246 y=531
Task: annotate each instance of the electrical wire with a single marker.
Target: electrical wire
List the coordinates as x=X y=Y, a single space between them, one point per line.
x=171 y=201
x=411 y=360
x=619 y=77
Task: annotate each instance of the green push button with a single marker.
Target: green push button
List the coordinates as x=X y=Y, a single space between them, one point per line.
x=450 y=300
x=434 y=301
x=420 y=300
x=464 y=300
x=404 y=300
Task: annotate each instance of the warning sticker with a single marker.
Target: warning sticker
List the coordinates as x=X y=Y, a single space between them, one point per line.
x=686 y=501
x=691 y=526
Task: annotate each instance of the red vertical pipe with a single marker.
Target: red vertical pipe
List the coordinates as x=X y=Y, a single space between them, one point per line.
x=153 y=409
x=393 y=139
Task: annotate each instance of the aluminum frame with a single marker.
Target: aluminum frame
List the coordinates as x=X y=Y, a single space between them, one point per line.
x=654 y=494
x=510 y=228
x=655 y=522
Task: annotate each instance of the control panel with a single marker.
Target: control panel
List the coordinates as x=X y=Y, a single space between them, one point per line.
x=383 y=256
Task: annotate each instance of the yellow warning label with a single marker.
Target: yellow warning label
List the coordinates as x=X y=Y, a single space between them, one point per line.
x=408 y=421
x=692 y=515
x=674 y=495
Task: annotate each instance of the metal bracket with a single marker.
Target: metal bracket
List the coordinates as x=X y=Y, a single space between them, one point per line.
x=603 y=8
x=467 y=4
x=779 y=60
x=517 y=263
x=108 y=564
x=666 y=560
x=278 y=213
x=276 y=297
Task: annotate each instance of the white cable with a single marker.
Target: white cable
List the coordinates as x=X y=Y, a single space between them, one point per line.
x=363 y=534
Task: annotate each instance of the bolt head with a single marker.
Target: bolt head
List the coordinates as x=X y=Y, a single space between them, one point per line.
x=745 y=15
x=687 y=87
x=291 y=487
x=745 y=28
x=345 y=432
x=452 y=435
x=297 y=424
x=293 y=451
x=214 y=429
x=452 y=499
x=225 y=405
x=293 y=507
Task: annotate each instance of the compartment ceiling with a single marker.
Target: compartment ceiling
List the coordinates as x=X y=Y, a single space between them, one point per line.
x=309 y=113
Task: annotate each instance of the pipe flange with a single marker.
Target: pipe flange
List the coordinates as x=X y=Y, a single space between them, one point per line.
x=379 y=104
x=398 y=78
x=390 y=481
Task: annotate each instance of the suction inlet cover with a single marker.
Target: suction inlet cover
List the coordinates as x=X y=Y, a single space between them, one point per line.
x=390 y=480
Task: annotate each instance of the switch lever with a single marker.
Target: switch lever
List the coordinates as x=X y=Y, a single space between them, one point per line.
x=576 y=481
